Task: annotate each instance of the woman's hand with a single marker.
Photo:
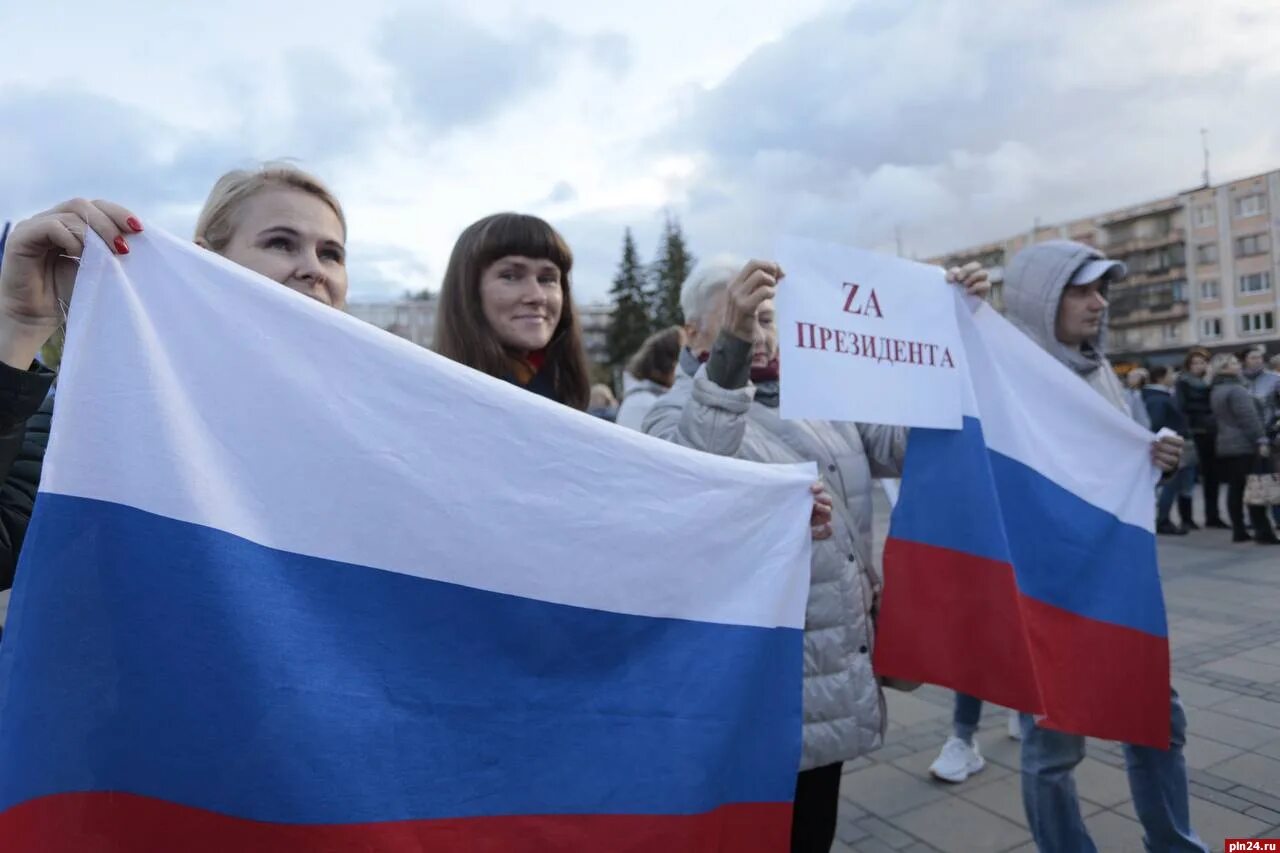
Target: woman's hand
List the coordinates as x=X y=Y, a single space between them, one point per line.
x=820 y=519
x=40 y=263
x=755 y=283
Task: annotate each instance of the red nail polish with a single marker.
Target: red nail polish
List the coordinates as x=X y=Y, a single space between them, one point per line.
x=121 y=246
x=133 y=223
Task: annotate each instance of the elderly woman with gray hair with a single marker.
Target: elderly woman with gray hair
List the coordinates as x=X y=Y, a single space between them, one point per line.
x=725 y=401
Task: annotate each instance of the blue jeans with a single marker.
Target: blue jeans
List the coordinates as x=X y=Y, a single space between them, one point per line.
x=966 y=717
x=1157 y=781
x=1179 y=485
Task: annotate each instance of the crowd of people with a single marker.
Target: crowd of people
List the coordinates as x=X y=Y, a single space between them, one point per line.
x=507 y=310
x=1228 y=408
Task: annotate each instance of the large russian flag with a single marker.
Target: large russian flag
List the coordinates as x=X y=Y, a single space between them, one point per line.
x=1021 y=560
x=295 y=584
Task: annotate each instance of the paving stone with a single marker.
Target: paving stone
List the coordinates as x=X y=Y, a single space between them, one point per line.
x=955 y=825
x=886 y=790
x=1232 y=731
x=1115 y=833
x=1256 y=797
x=886 y=832
x=1229 y=801
x=1202 y=753
x=1211 y=780
x=1244 y=668
x=1195 y=695
x=848 y=829
x=1253 y=771
x=1254 y=709
x=906 y=709
x=1269 y=654
x=1213 y=823
x=1265 y=815
x=872 y=845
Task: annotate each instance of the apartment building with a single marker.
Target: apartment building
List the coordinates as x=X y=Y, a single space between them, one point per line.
x=1202 y=270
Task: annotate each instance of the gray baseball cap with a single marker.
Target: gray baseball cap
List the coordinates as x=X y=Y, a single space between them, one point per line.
x=1101 y=268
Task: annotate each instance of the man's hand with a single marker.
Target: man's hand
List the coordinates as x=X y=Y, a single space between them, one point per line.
x=757 y=282
x=1166 y=452
x=820 y=519
x=973 y=277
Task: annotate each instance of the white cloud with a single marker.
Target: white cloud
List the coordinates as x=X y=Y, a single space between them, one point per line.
x=953 y=121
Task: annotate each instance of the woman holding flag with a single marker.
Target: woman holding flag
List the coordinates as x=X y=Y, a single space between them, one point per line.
x=276 y=220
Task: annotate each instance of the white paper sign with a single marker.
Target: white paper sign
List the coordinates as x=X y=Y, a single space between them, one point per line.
x=866 y=337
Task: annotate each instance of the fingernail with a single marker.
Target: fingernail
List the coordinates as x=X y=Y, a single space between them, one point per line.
x=121 y=246
x=133 y=223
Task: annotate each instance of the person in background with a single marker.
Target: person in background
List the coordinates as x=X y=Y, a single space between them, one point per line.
x=1192 y=395
x=506 y=308
x=650 y=374
x=961 y=757
x=603 y=404
x=276 y=220
x=1056 y=294
x=1135 y=381
x=1263 y=384
x=1164 y=413
x=1243 y=448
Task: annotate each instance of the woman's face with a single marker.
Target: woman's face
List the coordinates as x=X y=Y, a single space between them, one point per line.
x=1230 y=367
x=1197 y=366
x=522 y=299
x=295 y=238
x=765 y=345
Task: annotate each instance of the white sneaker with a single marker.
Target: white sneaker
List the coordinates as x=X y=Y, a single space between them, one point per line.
x=1015 y=725
x=958 y=761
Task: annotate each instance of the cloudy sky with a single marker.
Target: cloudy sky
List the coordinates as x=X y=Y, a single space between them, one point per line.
x=952 y=121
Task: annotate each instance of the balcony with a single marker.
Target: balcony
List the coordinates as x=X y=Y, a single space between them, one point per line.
x=1125 y=244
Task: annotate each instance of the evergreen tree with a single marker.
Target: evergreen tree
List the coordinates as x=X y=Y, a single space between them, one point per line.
x=672 y=267
x=629 y=325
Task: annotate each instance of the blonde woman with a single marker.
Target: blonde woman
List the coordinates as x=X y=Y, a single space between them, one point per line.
x=275 y=220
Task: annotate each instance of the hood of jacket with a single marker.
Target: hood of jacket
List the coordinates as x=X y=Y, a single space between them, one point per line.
x=1033 y=286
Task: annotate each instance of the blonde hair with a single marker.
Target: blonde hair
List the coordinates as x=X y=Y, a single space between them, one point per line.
x=217 y=220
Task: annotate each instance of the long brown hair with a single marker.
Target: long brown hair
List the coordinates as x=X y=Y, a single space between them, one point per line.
x=464 y=335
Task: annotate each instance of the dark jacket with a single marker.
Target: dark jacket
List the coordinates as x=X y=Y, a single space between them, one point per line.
x=1193 y=398
x=25 y=415
x=1162 y=409
x=1239 y=416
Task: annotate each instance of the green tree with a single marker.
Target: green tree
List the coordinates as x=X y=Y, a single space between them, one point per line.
x=672 y=267
x=629 y=324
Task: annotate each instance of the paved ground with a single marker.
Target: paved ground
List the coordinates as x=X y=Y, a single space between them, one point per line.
x=1224 y=615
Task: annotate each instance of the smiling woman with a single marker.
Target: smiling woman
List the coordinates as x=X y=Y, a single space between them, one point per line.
x=283 y=223
x=506 y=308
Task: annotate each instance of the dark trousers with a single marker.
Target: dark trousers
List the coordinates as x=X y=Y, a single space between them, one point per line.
x=813 y=821
x=1236 y=471
x=1206 y=449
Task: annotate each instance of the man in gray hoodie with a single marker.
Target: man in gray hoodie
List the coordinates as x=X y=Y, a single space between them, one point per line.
x=1055 y=293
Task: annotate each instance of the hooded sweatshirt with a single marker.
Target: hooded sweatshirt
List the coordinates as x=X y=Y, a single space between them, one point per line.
x=1033 y=288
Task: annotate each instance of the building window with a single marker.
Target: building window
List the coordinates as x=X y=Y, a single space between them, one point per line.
x=1172 y=332
x=1204 y=215
x=1255 y=324
x=1210 y=290
x=1251 y=205
x=1258 y=282
x=1254 y=244
x=1207 y=253
x=1211 y=328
